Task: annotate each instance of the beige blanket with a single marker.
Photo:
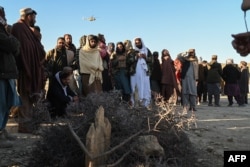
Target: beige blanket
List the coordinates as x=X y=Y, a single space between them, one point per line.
x=91 y=63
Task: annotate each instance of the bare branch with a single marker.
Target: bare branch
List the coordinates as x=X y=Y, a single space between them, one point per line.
x=82 y=146
x=119 y=160
x=119 y=145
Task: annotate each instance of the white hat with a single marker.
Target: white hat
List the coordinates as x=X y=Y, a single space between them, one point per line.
x=26 y=11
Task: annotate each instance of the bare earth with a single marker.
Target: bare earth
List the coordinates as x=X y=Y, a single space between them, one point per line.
x=218 y=129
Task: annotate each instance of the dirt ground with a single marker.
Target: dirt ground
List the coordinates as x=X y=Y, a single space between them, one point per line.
x=218 y=129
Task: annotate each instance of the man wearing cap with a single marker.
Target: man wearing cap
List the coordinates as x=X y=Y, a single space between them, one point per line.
x=30 y=64
x=214 y=79
x=9 y=49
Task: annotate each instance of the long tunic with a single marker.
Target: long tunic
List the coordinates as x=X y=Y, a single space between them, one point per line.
x=189 y=82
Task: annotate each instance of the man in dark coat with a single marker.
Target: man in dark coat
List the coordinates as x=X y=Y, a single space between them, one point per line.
x=9 y=49
x=155 y=78
x=168 y=80
x=202 y=85
x=60 y=94
x=214 y=75
x=231 y=75
x=31 y=80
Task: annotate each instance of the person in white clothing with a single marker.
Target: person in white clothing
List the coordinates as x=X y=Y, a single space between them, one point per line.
x=140 y=73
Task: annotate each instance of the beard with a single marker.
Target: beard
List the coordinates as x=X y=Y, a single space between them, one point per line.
x=61 y=49
x=69 y=43
x=93 y=46
x=139 y=46
x=32 y=23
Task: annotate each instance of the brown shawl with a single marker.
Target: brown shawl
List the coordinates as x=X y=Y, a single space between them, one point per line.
x=31 y=59
x=168 y=72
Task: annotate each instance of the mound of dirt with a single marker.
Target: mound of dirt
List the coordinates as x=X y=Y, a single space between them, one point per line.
x=59 y=148
x=186 y=144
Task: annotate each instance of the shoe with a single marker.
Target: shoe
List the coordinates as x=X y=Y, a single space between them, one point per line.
x=210 y=104
x=241 y=105
x=230 y=105
x=8 y=135
x=216 y=105
x=198 y=103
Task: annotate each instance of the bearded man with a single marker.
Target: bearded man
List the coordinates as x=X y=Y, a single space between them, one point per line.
x=68 y=43
x=31 y=67
x=58 y=58
x=140 y=78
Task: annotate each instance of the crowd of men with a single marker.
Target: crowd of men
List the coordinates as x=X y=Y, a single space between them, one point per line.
x=94 y=67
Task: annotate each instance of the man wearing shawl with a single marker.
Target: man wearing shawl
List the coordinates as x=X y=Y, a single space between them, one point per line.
x=91 y=66
x=168 y=79
x=189 y=77
x=142 y=72
x=9 y=49
x=30 y=63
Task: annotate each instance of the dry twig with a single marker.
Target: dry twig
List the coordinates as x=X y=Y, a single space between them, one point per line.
x=85 y=150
